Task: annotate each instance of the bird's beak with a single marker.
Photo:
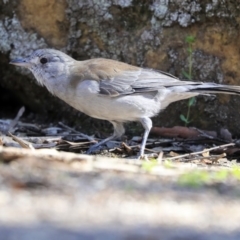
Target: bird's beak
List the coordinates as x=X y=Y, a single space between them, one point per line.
x=21 y=62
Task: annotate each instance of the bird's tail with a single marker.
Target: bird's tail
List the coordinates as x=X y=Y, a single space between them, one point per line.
x=212 y=88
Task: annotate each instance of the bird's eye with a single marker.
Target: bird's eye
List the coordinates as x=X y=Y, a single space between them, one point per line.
x=43 y=60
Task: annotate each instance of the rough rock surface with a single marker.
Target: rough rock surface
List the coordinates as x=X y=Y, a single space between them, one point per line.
x=144 y=33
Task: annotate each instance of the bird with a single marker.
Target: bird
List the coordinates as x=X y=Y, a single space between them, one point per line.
x=112 y=90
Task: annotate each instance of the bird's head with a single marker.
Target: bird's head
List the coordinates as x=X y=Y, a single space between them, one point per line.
x=46 y=64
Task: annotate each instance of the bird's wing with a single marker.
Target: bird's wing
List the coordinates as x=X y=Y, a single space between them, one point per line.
x=141 y=80
x=117 y=78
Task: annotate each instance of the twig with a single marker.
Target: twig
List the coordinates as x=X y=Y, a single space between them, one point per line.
x=127 y=148
x=21 y=142
x=204 y=134
x=160 y=157
x=16 y=119
x=200 y=152
x=214 y=158
x=89 y=138
x=10 y=154
x=42 y=139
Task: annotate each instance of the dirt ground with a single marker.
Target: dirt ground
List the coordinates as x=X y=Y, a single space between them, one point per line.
x=50 y=194
x=42 y=199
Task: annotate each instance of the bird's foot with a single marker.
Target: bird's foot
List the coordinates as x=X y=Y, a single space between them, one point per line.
x=93 y=149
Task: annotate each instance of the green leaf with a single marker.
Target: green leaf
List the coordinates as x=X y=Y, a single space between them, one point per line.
x=190 y=50
x=184 y=119
x=190 y=39
x=191 y=101
x=186 y=75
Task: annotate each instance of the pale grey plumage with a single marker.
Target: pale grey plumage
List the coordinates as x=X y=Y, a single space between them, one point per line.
x=112 y=90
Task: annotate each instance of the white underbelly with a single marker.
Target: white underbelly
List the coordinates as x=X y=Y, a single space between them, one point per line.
x=86 y=98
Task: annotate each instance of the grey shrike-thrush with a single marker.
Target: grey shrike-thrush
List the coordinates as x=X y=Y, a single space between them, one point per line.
x=111 y=90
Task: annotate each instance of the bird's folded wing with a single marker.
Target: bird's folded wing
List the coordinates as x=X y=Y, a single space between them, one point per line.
x=142 y=80
x=118 y=78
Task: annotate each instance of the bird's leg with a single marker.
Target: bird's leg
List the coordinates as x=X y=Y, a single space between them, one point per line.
x=147 y=124
x=118 y=132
